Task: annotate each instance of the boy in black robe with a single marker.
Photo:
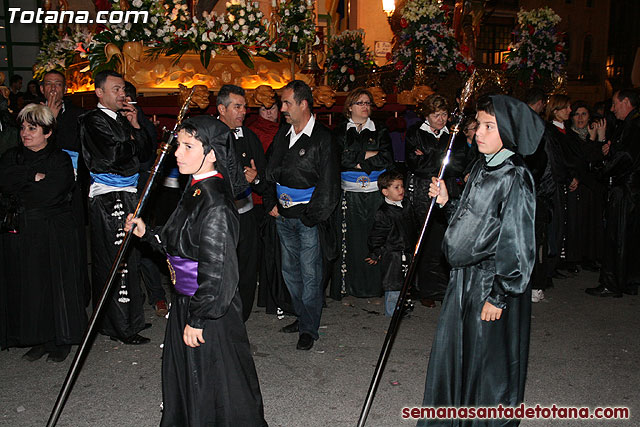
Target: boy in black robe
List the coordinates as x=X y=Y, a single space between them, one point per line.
x=481 y=348
x=208 y=374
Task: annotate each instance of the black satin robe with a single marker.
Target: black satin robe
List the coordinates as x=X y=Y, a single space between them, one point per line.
x=215 y=383
x=490 y=246
x=351 y=273
x=392 y=235
x=433 y=269
x=620 y=266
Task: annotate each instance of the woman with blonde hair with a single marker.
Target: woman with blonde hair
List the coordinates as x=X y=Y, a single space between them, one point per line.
x=42 y=284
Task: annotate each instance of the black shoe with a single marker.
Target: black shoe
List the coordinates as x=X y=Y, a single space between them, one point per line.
x=59 y=354
x=631 y=290
x=35 y=353
x=289 y=329
x=601 y=291
x=132 y=340
x=305 y=342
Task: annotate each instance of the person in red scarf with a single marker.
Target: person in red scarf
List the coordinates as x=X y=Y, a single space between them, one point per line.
x=272 y=292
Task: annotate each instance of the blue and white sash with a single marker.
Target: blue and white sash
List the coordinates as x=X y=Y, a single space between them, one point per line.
x=360 y=182
x=289 y=197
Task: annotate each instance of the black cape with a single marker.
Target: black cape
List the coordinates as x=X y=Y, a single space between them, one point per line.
x=215 y=383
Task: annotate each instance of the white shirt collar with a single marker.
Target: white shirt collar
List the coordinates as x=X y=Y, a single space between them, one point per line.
x=107 y=111
x=308 y=129
x=237 y=132
x=393 y=202
x=367 y=125
x=204 y=175
x=558 y=124
x=427 y=127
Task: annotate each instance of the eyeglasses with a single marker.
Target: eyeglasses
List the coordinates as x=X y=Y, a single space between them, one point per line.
x=362 y=104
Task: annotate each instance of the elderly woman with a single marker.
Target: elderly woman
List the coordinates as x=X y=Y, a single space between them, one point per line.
x=425 y=147
x=42 y=287
x=366 y=152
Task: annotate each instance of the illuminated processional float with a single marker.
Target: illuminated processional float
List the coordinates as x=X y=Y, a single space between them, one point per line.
x=261 y=46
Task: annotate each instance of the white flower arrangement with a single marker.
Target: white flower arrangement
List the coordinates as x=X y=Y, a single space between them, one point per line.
x=171 y=30
x=538 y=51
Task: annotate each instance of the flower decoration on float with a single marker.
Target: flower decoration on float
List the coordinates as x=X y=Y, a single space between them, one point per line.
x=297 y=25
x=171 y=30
x=58 y=51
x=348 y=56
x=426 y=26
x=538 y=54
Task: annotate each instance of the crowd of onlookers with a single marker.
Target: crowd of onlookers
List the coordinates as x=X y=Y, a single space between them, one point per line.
x=54 y=174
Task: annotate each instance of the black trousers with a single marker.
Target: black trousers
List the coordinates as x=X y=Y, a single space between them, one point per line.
x=123 y=315
x=248 y=243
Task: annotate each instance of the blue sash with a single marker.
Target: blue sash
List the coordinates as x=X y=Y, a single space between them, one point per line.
x=113 y=180
x=173 y=173
x=289 y=196
x=246 y=193
x=359 y=177
x=74 y=157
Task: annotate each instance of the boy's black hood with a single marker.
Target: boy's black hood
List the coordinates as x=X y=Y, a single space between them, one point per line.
x=520 y=127
x=216 y=135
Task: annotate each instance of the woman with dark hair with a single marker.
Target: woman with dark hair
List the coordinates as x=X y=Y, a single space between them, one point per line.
x=566 y=235
x=33 y=95
x=591 y=135
x=425 y=148
x=208 y=374
x=42 y=284
x=365 y=152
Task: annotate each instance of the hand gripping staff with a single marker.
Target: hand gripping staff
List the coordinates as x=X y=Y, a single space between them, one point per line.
x=84 y=347
x=397 y=312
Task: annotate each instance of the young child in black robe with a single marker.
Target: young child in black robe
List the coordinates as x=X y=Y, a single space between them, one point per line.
x=208 y=374
x=481 y=348
x=391 y=238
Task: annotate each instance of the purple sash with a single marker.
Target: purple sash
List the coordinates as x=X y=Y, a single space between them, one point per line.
x=184 y=274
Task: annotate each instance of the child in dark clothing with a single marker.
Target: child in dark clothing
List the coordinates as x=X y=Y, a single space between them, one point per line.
x=391 y=238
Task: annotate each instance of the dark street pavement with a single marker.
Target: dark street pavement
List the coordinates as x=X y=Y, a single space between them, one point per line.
x=584 y=352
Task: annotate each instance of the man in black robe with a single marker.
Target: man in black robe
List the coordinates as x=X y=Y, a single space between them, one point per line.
x=232 y=108
x=304 y=168
x=619 y=273
x=113 y=144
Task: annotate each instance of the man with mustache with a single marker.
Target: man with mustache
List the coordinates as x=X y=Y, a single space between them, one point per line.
x=303 y=166
x=113 y=145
